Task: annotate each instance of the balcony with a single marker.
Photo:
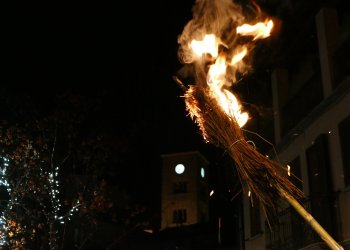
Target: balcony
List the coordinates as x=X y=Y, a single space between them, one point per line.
x=289 y=231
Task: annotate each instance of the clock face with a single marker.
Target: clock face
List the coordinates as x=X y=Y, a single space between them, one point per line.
x=202 y=172
x=179 y=168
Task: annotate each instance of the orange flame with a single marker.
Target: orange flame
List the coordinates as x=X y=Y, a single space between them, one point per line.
x=238 y=57
x=259 y=31
x=217 y=74
x=209 y=45
x=227 y=101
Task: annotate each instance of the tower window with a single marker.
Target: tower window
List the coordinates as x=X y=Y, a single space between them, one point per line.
x=180 y=187
x=179 y=216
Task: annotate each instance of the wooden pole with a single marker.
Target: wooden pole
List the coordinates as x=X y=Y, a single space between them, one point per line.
x=312 y=222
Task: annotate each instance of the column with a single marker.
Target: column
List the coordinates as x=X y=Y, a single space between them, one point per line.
x=279 y=79
x=327 y=33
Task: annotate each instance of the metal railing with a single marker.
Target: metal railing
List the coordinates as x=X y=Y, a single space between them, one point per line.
x=289 y=231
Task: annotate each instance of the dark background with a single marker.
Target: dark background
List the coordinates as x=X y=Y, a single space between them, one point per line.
x=117 y=61
x=125 y=54
x=111 y=66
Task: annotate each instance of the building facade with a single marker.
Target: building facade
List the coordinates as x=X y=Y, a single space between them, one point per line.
x=311 y=103
x=184 y=184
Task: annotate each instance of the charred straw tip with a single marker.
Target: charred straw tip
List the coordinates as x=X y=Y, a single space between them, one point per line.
x=180 y=83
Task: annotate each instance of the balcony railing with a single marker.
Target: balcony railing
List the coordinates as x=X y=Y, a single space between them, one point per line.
x=290 y=231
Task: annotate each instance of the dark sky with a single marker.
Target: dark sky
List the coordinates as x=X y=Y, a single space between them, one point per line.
x=121 y=54
x=125 y=50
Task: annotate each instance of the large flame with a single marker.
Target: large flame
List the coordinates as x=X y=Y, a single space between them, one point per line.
x=217 y=78
x=209 y=45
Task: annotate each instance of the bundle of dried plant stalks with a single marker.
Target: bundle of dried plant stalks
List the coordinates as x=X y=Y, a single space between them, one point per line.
x=265 y=178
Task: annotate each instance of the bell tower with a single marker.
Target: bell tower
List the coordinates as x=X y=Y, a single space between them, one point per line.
x=184 y=186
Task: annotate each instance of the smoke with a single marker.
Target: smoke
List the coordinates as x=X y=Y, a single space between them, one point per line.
x=217 y=17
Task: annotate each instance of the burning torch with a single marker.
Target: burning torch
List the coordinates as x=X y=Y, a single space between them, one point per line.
x=216 y=43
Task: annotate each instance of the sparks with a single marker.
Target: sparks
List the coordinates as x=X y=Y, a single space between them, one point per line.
x=288 y=170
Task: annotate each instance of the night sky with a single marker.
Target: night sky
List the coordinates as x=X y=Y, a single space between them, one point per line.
x=122 y=52
x=120 y=59
x=113 y=62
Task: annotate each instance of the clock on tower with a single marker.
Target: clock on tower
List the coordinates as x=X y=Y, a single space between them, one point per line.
x=184 y=198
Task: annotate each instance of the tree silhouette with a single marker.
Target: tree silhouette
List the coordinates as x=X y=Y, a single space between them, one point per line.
x=61 y=166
